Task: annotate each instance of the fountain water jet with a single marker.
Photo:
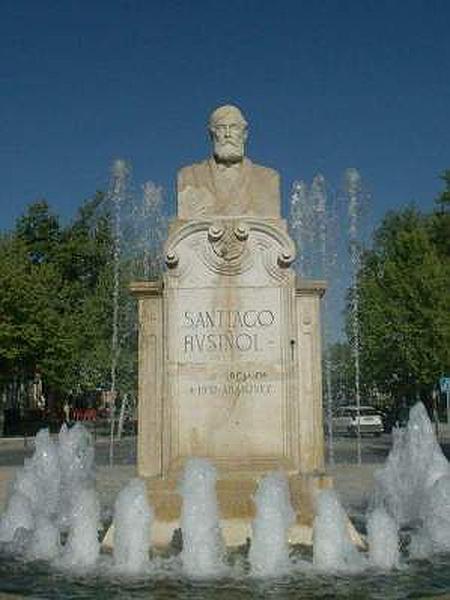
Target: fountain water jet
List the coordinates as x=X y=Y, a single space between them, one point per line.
x=414 y=485
x=132 y=525
x=18 y=515
x=203 y=553
x=40 y=478
x=414 y=465
x=269 y=550
x=382 y=539
x=203 y=547
x=82 y=548
x=45 y=542
x=333 y=549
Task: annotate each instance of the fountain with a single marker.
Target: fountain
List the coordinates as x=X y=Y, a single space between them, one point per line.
x=269 y=550
x=82 y=548
x=203 y=547
x=327 y=226
x=232 y=488
x=414 y=485
x=382 y=536
x=333 y=548
x=132 y=519
x=55 y=543
x=406 y=545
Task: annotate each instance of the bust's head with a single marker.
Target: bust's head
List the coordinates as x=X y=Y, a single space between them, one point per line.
x=228 y=130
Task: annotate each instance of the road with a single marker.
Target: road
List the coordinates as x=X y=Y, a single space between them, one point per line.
x=374 y=450
x=13 y=451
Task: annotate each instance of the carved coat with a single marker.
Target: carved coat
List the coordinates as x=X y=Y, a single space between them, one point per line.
x=207 y=189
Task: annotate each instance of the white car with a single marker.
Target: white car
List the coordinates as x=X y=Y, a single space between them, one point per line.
x=346 y=420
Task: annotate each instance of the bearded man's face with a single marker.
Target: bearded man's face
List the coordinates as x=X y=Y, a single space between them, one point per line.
x=229 y=136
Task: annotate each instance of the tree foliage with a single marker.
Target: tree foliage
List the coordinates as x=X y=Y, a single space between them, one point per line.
x=403 y=290
x=443 y=200
x=56 y=302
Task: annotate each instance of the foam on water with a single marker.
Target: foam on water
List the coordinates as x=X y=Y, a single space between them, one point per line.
x=132 y=527
x=269 y=550
x=333 y=549
x=203 y=547
x=382 y=537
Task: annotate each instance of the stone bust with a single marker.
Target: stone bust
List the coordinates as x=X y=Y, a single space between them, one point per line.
x=228 y=183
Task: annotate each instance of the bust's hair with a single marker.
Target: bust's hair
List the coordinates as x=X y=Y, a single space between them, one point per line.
x=224 y=111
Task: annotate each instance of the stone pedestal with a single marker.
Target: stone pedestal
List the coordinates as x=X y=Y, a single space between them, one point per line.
x=229 y=370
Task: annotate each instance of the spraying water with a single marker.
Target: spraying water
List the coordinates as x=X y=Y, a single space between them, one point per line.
x=145 y=232
x=382 y=537
x=45 y=542
x=353 y=189
x=44 y=491
x=414 y=465
x=132 y=525
x=118 y=193
x=203 y=547
x=269 y=550
x=301 y=227
x=18 y=515
x=40 y=478
x=414 y=485
x=315 y=225
x=436 y=515
x=326 y=261
x=82 y=547
x=332 y=546
x=76 y=462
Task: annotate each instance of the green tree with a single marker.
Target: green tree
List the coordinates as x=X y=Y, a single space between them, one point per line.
x=403 y=289
x=39 y=229
x=30 y=307
x=443 y=200
x=56 y=303
x=54 y=306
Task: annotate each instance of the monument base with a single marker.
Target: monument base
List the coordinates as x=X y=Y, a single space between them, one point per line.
x=235 y=494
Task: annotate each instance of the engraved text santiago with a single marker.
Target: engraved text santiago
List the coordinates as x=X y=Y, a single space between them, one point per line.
x=225 y=330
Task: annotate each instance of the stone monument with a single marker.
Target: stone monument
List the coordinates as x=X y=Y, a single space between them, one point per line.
x=229 y=345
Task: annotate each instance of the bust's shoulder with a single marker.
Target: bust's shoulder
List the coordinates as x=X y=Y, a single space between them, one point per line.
x=192 y=171
x=260 y=169
x=266 y=173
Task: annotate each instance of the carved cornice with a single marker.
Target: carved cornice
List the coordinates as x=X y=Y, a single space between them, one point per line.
x=146 y=288
x=310 y=287
x=230 y=247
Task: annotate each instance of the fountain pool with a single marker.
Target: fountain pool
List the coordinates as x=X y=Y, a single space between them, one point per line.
x=414 y=563
x=417 y=579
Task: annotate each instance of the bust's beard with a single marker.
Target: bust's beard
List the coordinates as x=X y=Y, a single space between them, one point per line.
x=229 y=154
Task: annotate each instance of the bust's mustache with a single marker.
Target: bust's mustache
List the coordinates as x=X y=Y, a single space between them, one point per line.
x=229 y=143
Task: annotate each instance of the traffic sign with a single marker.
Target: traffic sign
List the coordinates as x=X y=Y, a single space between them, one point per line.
x=444 y=384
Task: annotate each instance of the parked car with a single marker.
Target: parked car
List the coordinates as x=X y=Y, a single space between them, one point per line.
x=346 y=420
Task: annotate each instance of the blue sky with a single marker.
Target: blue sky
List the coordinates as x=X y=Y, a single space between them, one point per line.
x=325 y=85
